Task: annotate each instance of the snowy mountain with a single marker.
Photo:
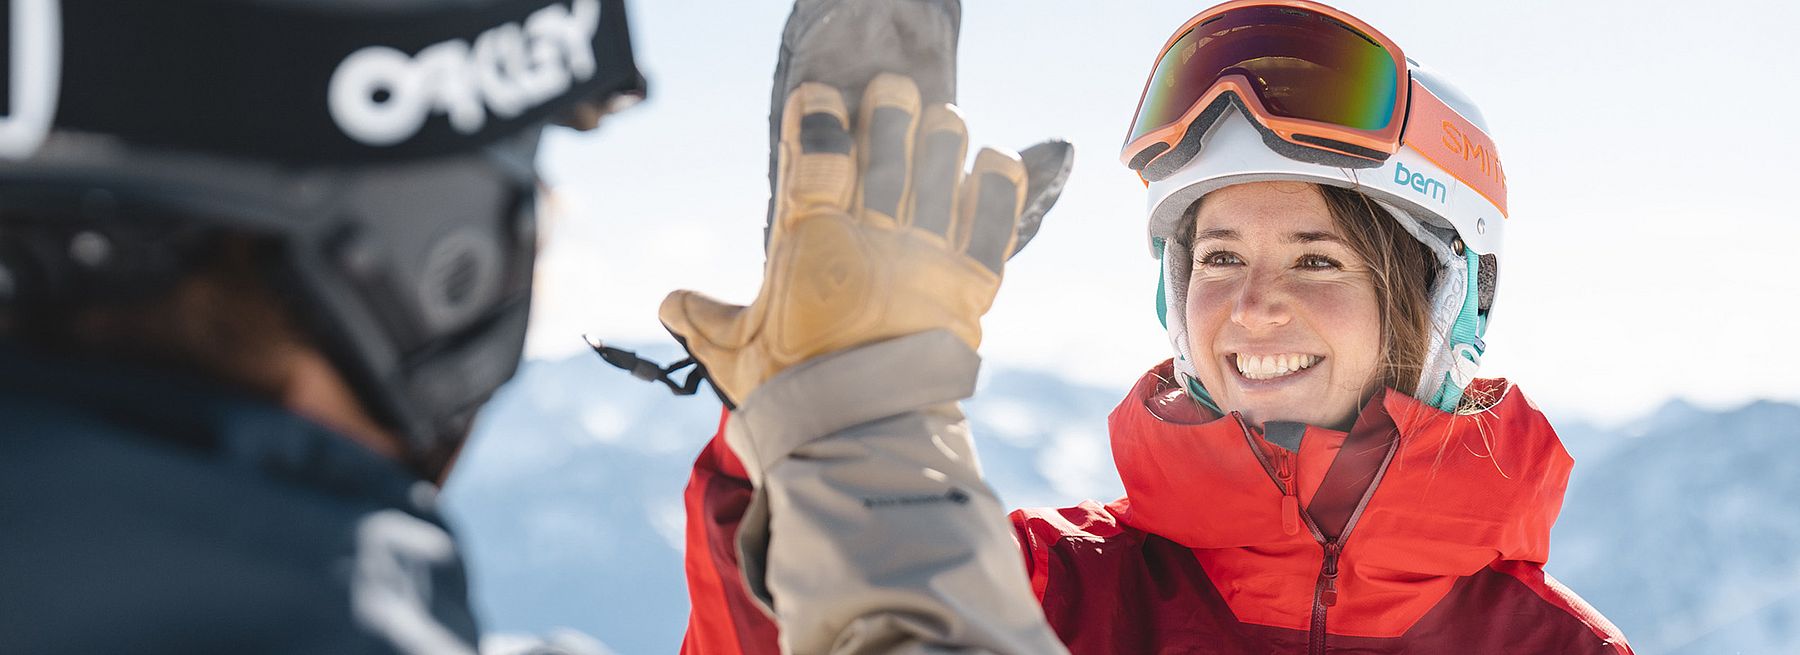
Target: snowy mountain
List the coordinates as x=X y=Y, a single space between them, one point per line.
x=1687 y=534
x=1682 y=527
x=568 y=502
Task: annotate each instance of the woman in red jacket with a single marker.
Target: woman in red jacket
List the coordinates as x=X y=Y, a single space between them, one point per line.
x=1317 y=469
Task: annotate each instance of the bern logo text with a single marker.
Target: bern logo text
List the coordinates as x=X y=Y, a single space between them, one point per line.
x=1425 y=185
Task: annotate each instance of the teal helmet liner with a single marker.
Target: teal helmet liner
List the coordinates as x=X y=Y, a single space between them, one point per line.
x=1465 y=340
x=1199 y=394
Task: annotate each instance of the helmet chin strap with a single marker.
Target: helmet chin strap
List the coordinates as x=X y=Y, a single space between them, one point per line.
x=1199 y=393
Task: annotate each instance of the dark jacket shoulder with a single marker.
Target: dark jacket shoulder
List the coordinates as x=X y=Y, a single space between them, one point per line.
x=151 y=512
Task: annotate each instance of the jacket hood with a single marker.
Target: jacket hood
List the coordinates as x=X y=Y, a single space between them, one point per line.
x=1420 y=496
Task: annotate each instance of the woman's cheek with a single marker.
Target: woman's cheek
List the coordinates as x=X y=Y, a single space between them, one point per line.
x=1346 y=315
x=1207 y=300
x=1208 y=307
x=1342 y=302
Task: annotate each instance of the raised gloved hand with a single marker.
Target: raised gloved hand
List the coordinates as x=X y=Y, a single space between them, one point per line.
x=878 y=233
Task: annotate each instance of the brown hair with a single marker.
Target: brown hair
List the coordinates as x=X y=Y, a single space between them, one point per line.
x=219 y=318
x=1403 y=269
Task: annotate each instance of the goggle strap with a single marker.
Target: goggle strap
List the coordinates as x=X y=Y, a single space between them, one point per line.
x=1455 y=144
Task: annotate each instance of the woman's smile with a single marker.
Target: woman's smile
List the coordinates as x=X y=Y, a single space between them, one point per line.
x=1271 y=367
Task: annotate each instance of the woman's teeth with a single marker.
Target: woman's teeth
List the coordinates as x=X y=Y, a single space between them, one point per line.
x=1265 y=367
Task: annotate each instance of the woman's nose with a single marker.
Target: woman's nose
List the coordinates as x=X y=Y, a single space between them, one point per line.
x=1259 y=304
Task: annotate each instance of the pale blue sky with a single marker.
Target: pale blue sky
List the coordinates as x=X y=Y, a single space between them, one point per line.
x=1648 y=146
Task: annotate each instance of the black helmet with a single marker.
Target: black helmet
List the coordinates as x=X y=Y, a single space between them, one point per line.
x=387 y=146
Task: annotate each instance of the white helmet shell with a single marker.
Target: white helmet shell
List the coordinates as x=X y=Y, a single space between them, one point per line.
x=1453 y=218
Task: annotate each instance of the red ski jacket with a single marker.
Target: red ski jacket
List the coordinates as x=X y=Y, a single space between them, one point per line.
x=1416 y=532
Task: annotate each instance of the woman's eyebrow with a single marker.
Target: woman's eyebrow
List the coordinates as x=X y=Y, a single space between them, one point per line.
x=1315 y=237
x=1217 y=234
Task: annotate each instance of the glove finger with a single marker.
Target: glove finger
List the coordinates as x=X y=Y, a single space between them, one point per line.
x=937 y=168
x=1047 y=167
x=886 y=127
x=846 y=44
x=988 y=214
x=818 y=164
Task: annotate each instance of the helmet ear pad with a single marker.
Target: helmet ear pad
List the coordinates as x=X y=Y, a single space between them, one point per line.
x=1171 y=305
x=1487 y=282
x=426 y=314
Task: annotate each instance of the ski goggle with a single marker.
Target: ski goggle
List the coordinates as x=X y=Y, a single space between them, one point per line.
x=1331 y=88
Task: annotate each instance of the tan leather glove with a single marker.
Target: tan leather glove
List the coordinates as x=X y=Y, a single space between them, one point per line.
x=878 y=234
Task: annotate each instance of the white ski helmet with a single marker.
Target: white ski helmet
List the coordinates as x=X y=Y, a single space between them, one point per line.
x=1444 y=185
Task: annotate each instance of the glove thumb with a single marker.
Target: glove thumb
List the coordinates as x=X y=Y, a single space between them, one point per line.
x=700 y=320
x=712 y=331
x=1047 y=167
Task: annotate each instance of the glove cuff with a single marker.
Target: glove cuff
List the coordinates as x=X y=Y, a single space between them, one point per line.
x=830 y=393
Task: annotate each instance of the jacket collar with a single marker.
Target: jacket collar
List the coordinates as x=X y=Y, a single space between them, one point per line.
x=1431 y=491
x=213 y=421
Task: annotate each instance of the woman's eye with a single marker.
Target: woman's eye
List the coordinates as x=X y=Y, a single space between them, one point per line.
x=1318 y=262
x=1220 y=258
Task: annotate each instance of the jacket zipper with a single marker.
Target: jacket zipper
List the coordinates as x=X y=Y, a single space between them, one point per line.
x=1325 y=593
x=1324 y=596
x=1290 y=493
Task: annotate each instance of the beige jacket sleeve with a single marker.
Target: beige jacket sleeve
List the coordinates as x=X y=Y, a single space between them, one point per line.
x=871 y=529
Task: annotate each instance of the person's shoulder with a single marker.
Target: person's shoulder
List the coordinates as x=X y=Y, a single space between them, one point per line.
x=204 y=548
x=1490 y=405
x=1501 y=407
x=1087 y=541
x=177 y=489
x=1559 y=617
x=1087 y=521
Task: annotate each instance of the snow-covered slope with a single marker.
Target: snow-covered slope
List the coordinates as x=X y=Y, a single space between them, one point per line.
x=1683 y=527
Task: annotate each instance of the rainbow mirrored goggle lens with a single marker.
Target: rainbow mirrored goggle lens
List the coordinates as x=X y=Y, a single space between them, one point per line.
x=1301 y=67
